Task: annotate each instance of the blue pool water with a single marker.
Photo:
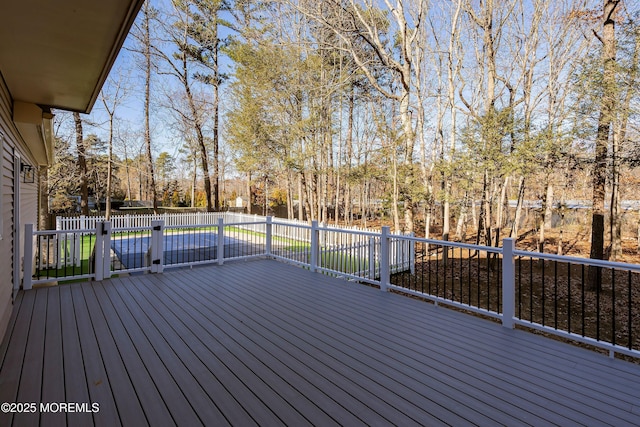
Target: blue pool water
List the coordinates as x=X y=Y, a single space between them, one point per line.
x=178 y=248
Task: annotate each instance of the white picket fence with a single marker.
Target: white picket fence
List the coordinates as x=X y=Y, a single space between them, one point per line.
x=283 y=228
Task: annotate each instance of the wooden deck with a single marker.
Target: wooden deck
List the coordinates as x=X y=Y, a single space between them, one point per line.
x=265 y=343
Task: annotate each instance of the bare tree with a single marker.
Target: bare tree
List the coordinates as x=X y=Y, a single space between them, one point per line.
x=360 y=23
x=620 y=136
x=201 y=20
x=82 y=165
x=143 y=35
x=112 y=95
x=178 y=64
x=605 y=120
x=489 y=19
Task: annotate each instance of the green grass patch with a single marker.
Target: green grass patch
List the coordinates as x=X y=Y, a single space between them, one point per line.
x=343 y=263
x=87 y=243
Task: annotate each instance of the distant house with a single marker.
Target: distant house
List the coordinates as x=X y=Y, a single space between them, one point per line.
x=53 y=54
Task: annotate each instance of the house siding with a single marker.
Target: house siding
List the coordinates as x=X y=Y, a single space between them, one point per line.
x=12 y=146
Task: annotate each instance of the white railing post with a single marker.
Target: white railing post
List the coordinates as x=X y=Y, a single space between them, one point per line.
x=412 y=254
x=106 y=251
x=315 y=246
x=508 y=283
x=268 y=230
x=385 y=272
x=220 y=250
x=98 y=252
x=27 y=262
x=157 y=246
x=372 y=258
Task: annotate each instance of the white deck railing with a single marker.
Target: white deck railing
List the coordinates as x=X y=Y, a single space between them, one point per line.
x=540 y=291
x=350 y=252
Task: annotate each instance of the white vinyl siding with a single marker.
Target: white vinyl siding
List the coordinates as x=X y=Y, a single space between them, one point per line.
x=12 y=147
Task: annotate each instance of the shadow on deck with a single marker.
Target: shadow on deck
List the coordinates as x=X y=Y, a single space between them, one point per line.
x=262 y=342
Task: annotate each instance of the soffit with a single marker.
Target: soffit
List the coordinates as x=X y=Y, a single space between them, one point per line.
x=59 y=53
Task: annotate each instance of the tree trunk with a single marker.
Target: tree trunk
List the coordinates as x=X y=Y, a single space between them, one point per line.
x=300 y=198
x=503 y=205
x=516 y=218
x=547 y=201
x=126 y=168
x=197 y=124
x=396 y=213
x=474 y=215
x=484 y=226
x=44 y=216
x=310 y=213
x=109 y=171
x=619 y=139
x=452 y=73
x=615 y=231
x=147 y=104
x=289 y=185
x=251 y=195
x=605 y=119
x=349 y=146
x=409 y=140
x=461 y=234
x=194 y=181
x=82 y=165
x=216 y=153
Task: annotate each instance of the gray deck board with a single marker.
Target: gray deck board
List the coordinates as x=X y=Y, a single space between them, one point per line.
x=73 y=366
x=406 y=366
x=338 y=353
x=279 y=358
x=53 y=365
x=398 y=363
x=466 y=374
x=183 y=393
x=29 y=389
x=287 y=400
x=199 y=354
x=97 y=382
x=157 y=390
x=120 y=378
x=265 y=343
x=14 y=356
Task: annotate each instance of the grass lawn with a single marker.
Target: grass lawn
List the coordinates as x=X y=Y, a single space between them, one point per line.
x=87 y=243
x=342 y=262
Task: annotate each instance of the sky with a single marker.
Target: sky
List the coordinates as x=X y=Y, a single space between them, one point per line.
x=130 y=112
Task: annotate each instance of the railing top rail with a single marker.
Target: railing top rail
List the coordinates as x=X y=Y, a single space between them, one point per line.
x=289 y=224
x=133 y=229
x=347 y=231
x=71 y=231
x=579 y=260
x=491 y=249
x=329 y=228
x=226 y=224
